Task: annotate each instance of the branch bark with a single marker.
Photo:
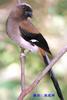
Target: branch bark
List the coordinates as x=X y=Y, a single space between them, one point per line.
x=22 y=69
x=42 y=74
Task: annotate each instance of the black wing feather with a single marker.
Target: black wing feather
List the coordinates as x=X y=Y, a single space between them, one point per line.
x=41 y=42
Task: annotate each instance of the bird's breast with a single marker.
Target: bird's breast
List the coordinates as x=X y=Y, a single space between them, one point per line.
x=12 y=28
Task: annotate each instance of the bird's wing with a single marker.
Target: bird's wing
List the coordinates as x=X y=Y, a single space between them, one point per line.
x=29 y=33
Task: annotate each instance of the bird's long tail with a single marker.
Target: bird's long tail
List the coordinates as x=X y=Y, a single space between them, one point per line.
x=53 y=78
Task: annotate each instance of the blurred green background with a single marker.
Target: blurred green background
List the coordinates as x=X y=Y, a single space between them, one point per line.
x=50 y=17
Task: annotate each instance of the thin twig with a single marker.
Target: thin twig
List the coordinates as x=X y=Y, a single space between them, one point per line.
x=22 y=62
x=42 y=74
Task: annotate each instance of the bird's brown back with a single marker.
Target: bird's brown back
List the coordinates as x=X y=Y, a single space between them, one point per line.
x=28 y=26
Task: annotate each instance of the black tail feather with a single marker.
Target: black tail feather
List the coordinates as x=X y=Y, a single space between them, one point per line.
x=54 y=80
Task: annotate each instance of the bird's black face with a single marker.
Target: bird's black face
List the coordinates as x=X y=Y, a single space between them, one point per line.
x=26 y=11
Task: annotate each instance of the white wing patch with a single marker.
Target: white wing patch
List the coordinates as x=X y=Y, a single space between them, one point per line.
x=33 y=40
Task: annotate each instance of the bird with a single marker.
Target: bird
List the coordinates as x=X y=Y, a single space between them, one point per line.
x=20 y=16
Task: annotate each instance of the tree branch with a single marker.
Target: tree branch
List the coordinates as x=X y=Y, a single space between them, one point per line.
x=22 y=69
x=42 y=74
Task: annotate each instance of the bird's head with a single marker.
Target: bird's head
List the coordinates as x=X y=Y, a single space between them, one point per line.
x=22 y=11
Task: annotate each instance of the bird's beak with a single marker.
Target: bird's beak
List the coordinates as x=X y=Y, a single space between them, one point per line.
x=28 y=14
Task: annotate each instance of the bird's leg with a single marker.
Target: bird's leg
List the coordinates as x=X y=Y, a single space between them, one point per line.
x=22 y=62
